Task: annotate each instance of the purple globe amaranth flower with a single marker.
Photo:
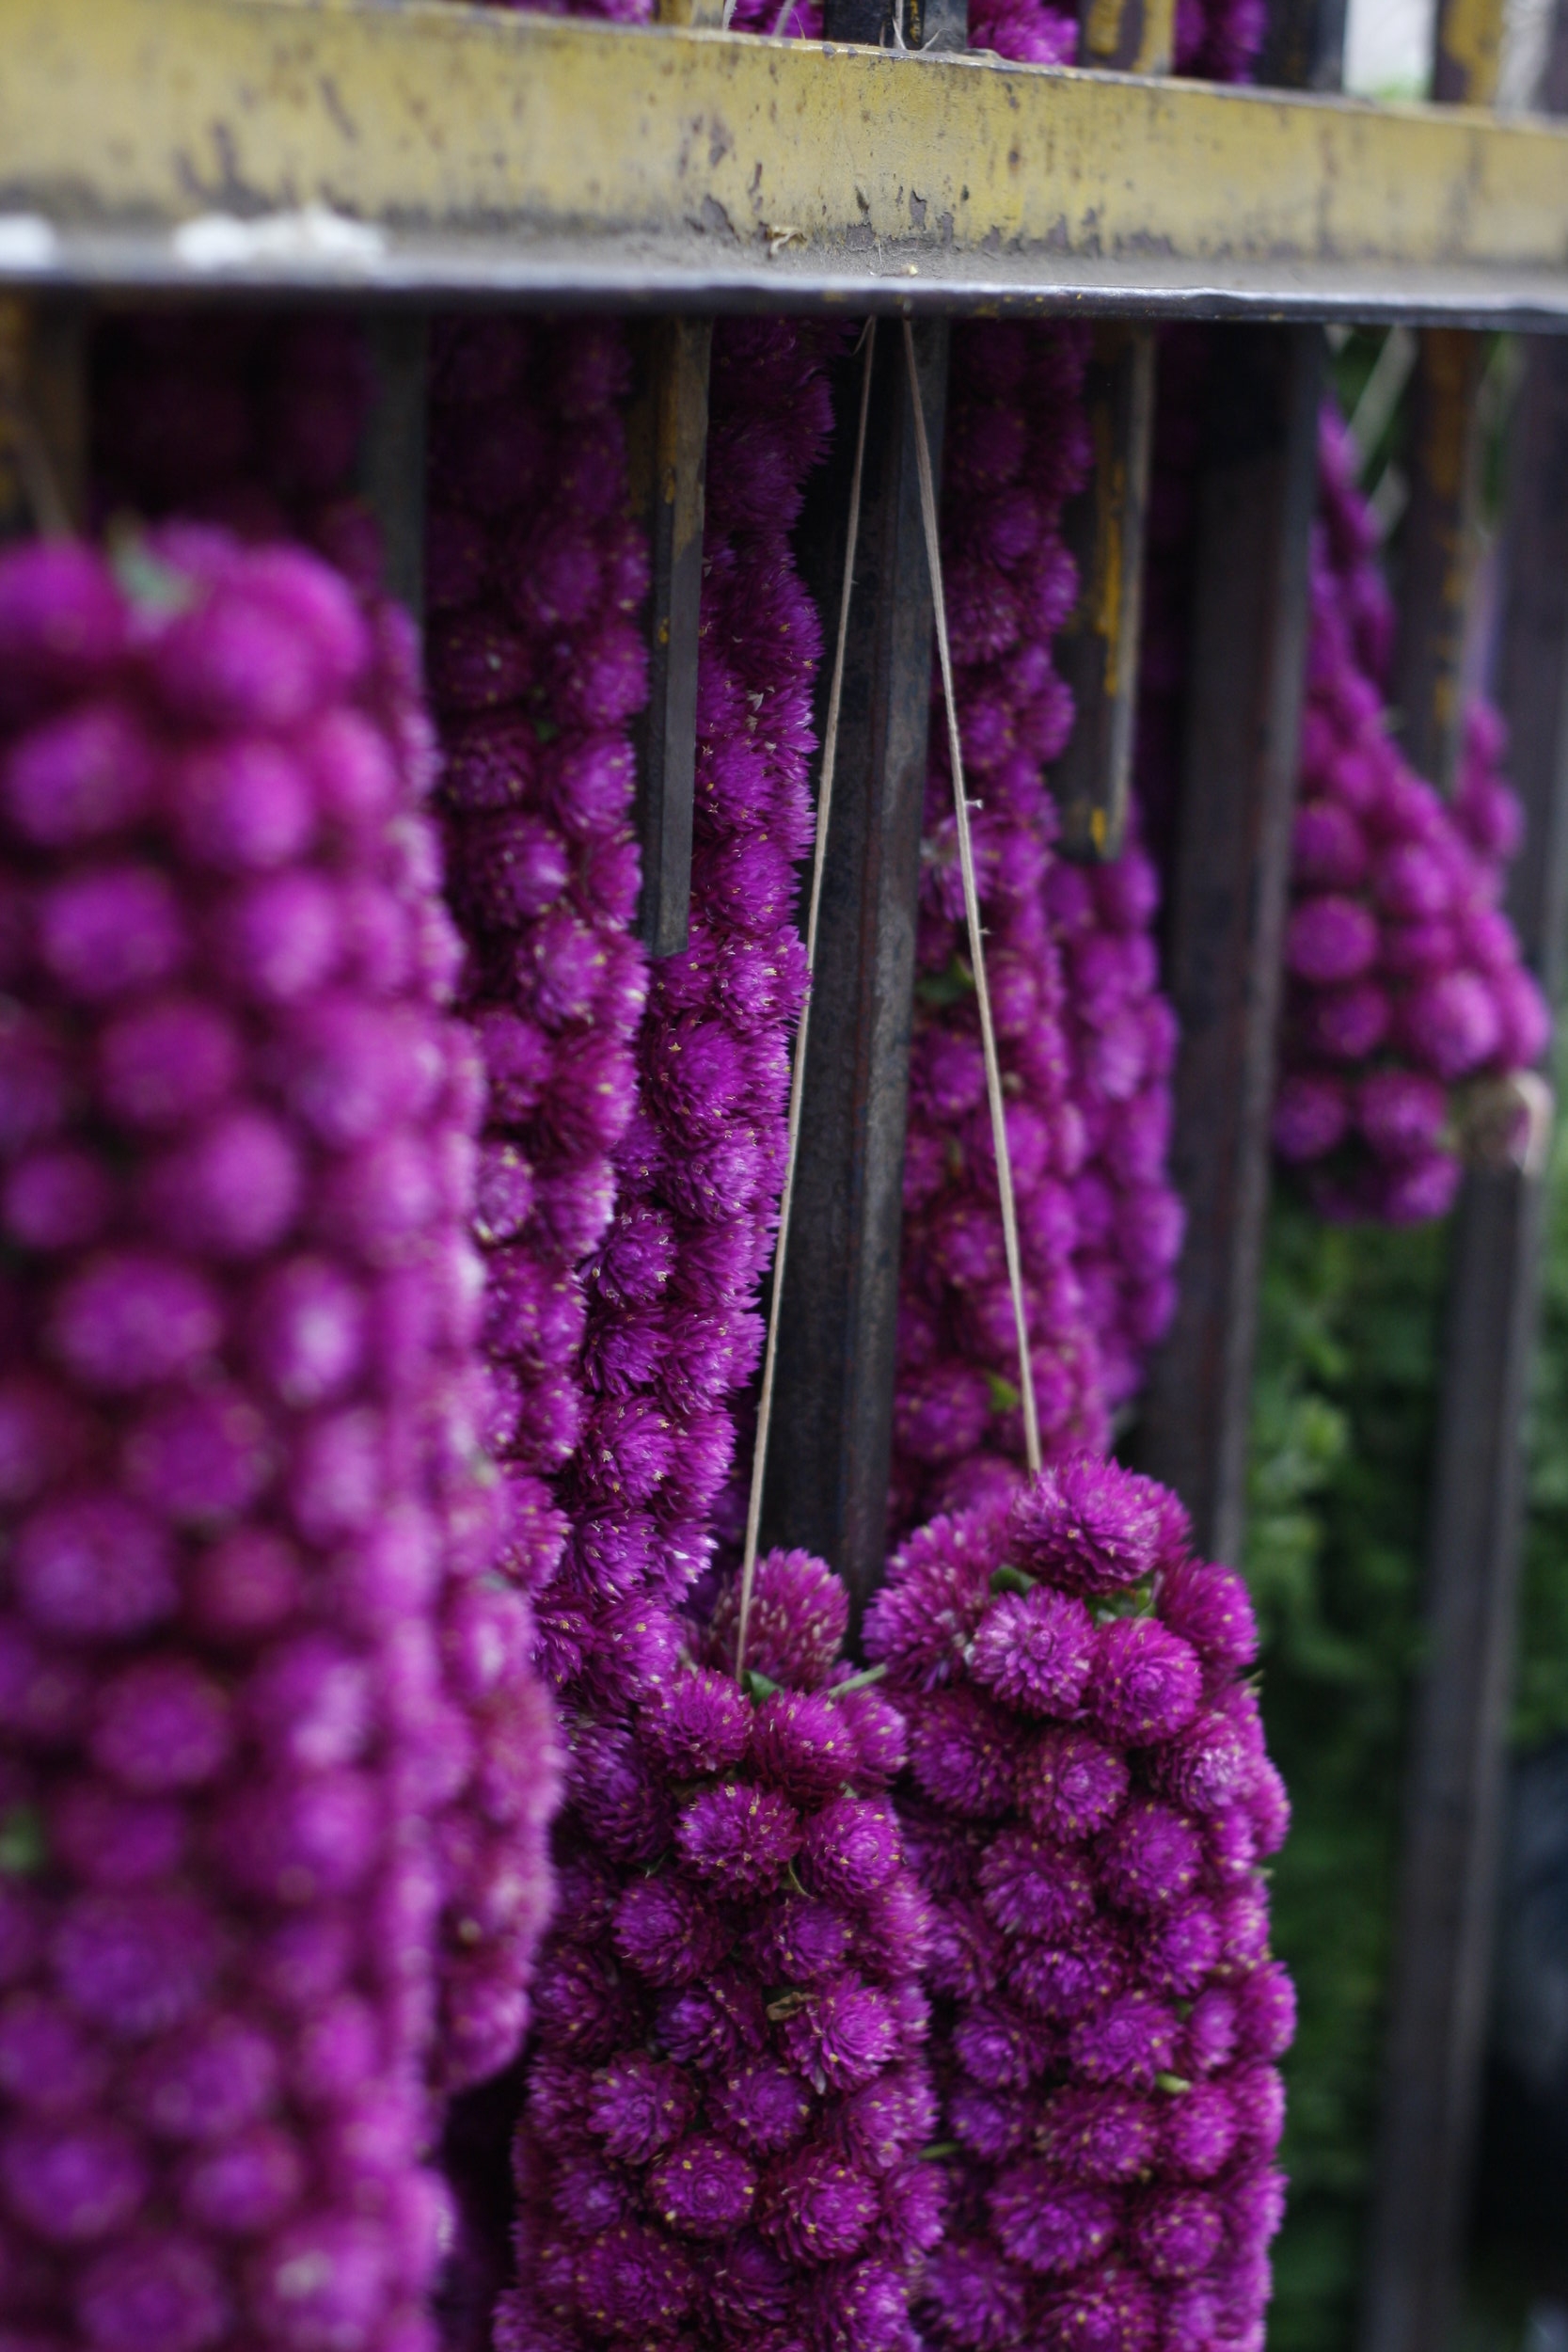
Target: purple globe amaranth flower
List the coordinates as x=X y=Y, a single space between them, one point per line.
x=274 y=1723
x=1017 y=446
x=1105 y=2009
x=729 y=2055
x=1405 y=974
x=1088 y=1526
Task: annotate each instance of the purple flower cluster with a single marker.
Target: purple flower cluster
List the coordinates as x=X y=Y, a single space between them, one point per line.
x=1087 y=1803
x=247 y=420
x=1404 y=976
x=727 y=2103
x=672 y=1334
x=1121 y=1038
x=1031 y=31
x=257 y=423
x=261 y=1690
x=535 y=577
x=1218 y=40
x=1016 y=449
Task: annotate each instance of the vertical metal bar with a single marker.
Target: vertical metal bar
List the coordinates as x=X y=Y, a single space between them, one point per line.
x=43 y=415
x=1438 y=543
x=1230 y=872
x=1454 y=1795
x=1127 y=36
x=828 y=1478
x=667 y=469
x=1439 y=529
x=1227 y=900
x=392 y=448
x=1303 y=47
x=1097 y=651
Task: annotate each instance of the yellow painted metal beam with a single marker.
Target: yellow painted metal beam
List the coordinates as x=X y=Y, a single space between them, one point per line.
x=490 y=150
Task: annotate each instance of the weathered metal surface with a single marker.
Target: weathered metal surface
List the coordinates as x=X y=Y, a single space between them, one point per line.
x=1303 y=47
x=1468 y=51
x=1128 y=36
x=1443 y=1947
x=43 y=416
x=1097 y=651
x=184 y=142
x=827 y=1473
x=1228 y=902
x=667 y=469
x=1439 y=534
x=1438 y=540
x=392 y=451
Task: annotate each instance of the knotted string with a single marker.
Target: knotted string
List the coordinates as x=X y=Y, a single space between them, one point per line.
x=798 y=1073
x=972 y=910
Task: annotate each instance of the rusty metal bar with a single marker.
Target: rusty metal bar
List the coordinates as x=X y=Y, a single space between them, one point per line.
x=1453 y=1802
x=431 y=150
x=1303 y=47
x=827 y=1477
x=1097 y=652
x=43 y=416
x=667 y=469
x=1127 y=36
x=1438 y=549
x=1438 y=537
x=1231 y=871
x=393 y=449
x=1227 y=900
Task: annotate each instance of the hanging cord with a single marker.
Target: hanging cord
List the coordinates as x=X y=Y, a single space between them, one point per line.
x=971 y=909
x=798 y=1074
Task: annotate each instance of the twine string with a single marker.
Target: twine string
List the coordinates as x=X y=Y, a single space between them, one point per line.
x=798 y=1073
x=972 y=911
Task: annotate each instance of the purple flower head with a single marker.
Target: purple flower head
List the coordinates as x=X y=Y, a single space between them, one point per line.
x=1177 y=2233
x=702 y=2188
x=739 y=1837
x=1210 y=1606
x=1150 y=1857
x=799 y=1616
x=1052 y=2231
x=842 y=2036
x=1035 y=1651
x=665 y=1931
x=1201 y=2129
x=1313 y=1114
x=801 y=1744
x=1132 y=2040
x=1033 y=1887
x=922 y=1618
x=1070 y=1785
x=697 y=1722
x=815 y=2208
x=1146 y=1682
x=1087 y=1525
x=963 y=1754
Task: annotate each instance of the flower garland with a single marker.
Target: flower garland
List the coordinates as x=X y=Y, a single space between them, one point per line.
x=1121 y=1037
x=1087 y=1799
x=727 y=2107
x=672 y=1333
x=1405 y=977
x=257 y=1675
x=1016 y=449
x=257 y=423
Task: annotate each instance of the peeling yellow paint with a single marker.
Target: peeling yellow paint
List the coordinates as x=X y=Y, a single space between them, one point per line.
x=437 y=118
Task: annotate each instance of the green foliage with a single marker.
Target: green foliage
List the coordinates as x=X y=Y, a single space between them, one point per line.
x=1541 y=1700
x=1342 y=1418
x=1343 y=1411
